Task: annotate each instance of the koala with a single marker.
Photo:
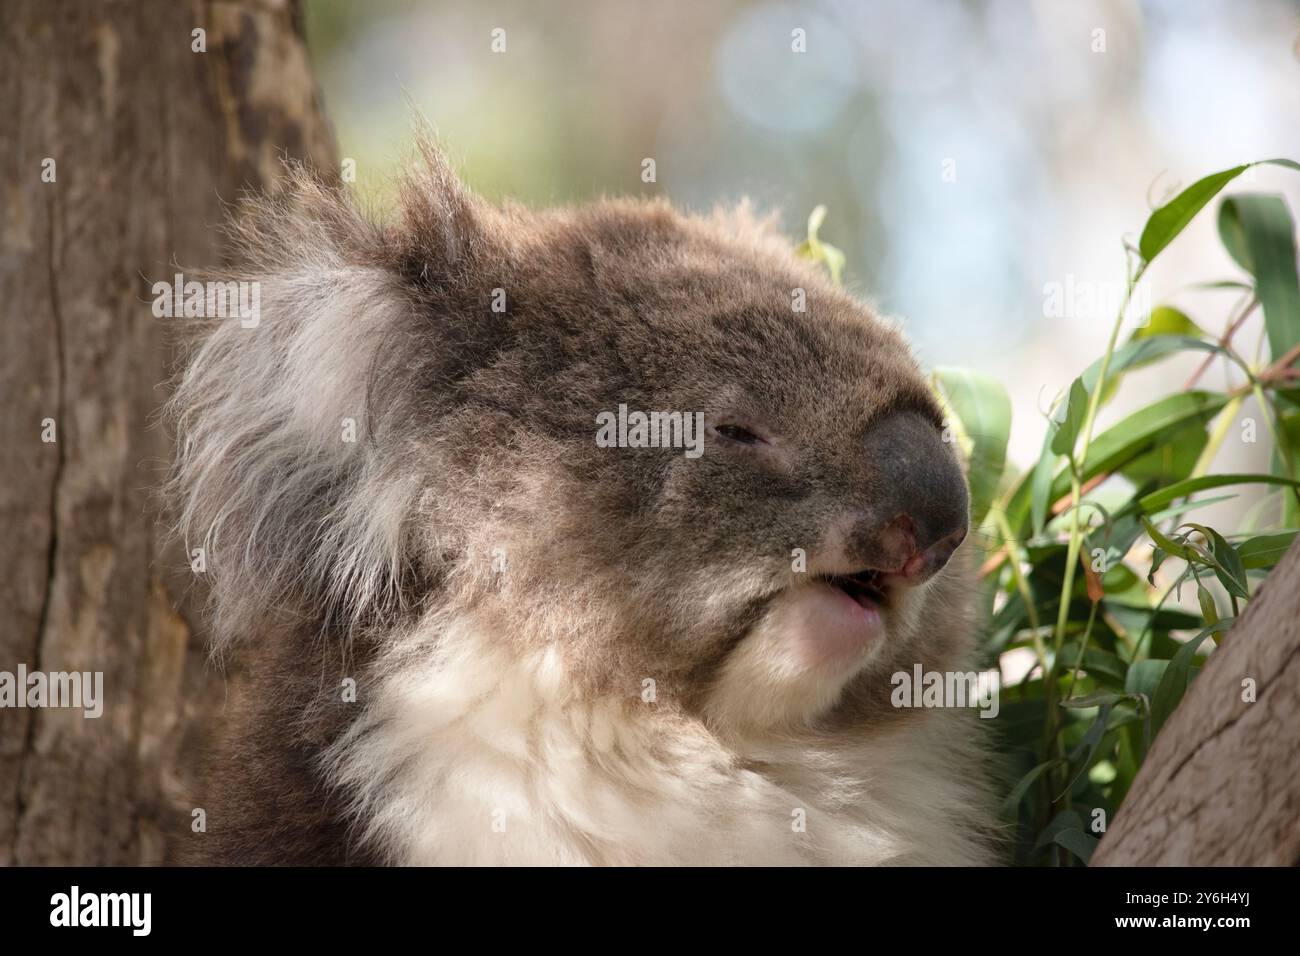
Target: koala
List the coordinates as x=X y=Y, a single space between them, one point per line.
x=472 y=633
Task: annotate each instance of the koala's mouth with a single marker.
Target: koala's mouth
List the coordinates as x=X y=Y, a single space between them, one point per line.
x=869 y=588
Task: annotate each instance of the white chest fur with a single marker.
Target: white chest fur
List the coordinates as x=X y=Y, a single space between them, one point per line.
x=469 y=759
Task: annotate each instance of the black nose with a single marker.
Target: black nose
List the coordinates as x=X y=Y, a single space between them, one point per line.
x=915 y=496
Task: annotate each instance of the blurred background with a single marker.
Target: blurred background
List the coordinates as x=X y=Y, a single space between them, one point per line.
x=982 y=162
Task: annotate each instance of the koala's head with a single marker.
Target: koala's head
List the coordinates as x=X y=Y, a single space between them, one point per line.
x=650 y=446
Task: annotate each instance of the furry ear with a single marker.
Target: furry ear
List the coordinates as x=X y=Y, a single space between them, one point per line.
x=291 y=491
x=444 y=227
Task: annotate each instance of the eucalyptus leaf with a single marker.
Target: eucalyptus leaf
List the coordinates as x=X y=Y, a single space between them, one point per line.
x=1174 y=679
x=983 y=412
x=1169 y=459
x=1167 y=544
x=1158 y=499
x=1259 y=233
x=1265 y=550
x=1167 y=320
x=1076 y=407
x=1166 y=222
x=1206 y=600
x=1140 y=431
x=1144 y=677
x=1022 y=787
x=1077 y=842
x=819 y=251
x=1228 y=566
x=1186 y=506
x=1092 y=700
x=1040 y=483
x=1144 y=350
x=1123 y=658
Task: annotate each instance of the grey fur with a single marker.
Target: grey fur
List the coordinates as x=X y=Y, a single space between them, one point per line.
x=475 y=441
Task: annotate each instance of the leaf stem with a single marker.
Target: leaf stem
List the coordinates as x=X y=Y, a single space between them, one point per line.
x=1076 y=463
x=1211 y=450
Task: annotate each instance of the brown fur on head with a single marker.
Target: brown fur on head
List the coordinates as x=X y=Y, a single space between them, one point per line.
x=475 y=499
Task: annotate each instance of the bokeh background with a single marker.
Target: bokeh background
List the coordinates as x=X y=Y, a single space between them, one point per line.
x=973 y=156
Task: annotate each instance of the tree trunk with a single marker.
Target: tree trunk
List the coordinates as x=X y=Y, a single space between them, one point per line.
x=1221 y=785
x=147 y=137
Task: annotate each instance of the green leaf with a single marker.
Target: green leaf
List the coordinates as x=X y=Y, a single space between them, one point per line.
x=1040 y=483
x=1259 y=233
x=1166 y=222
x=1065 y=820
x=1120 y=577
x=1167 y=544
x=1166 y=320
x=1105 y=667
x=818 y=251
x=1092 y=700
x=1077 y=842
x=1174 y=680
x=1142 y=351
x=1066 y=830
x=1087 y=748
x=1067 y=433
x=982 y=411
x=1158 y=556
x=1228 y=567
x=1140 y=431
x=1169 y=220
x=1206 y=600
x=1144 y=677
x=1171 y=459
x=1158 y=499
x=1265 y=550
x=1186 y=506
x=1067 y=418
x=1020 y=789
x=1286 y=459
x=1224 y=284
x=1037 y=490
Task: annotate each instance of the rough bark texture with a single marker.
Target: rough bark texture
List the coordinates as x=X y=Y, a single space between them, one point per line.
x=149 y=139
x=1221 y=785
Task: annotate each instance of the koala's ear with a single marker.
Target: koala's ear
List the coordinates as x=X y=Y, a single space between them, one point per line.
x=287 y=473
x=445 y=229
x=284 y=482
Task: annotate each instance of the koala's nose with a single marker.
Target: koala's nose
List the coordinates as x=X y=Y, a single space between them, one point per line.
x=916 y=498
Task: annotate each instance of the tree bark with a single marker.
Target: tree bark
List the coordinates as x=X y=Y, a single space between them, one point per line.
x=1221 y=785
x=148 y=138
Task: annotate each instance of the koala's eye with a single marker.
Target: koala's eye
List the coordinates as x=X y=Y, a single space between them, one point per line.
x=737 y=434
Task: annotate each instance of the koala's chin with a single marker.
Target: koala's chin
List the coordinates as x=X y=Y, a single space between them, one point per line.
x=792 y=667
x=473 y=632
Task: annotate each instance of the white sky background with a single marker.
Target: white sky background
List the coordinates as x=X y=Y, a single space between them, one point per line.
x=1058 y=150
